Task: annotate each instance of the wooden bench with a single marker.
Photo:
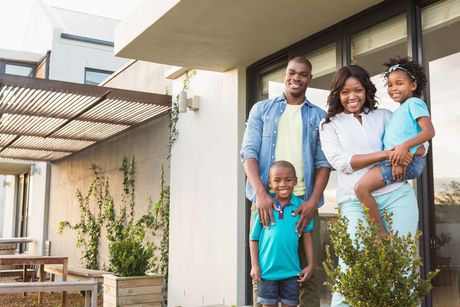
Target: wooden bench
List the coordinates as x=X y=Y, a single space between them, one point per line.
x=15 y=272
x=76 y=273
x=59 y=286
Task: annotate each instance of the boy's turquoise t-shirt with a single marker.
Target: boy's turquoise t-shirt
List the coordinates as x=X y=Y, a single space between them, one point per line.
x=403 y=124
x=278 y=245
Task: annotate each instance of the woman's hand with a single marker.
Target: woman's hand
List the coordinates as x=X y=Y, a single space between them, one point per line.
x=255 y=273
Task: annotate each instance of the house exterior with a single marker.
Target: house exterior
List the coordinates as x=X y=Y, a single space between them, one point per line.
x=61 y=45
x=240 y=49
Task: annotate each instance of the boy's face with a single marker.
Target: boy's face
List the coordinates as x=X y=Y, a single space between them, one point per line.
x=282 y=181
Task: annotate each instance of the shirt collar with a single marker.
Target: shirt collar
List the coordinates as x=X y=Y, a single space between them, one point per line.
x=293 y=200
x=282 y=98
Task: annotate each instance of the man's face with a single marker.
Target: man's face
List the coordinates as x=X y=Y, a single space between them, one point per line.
x=297 y=79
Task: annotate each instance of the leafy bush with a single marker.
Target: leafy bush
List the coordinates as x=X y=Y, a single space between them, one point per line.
x=129 y=256
x=380 y=272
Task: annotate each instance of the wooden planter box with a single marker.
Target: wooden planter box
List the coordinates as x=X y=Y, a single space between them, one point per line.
x=142 y=291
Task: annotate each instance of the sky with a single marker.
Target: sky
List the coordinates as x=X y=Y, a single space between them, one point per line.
x=12 y=23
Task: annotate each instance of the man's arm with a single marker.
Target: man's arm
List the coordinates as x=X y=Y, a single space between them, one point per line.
x=307 y=209
x=264 y=202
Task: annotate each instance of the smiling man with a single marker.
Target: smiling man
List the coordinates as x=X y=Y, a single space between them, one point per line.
x=286 y=128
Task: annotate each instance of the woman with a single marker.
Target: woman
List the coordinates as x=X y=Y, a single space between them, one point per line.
x=351 y=138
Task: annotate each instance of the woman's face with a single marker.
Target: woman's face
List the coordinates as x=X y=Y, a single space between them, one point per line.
x=352 y=96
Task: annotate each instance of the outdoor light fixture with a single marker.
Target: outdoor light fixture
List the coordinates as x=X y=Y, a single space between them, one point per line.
x=190 y=103
x=34 y=170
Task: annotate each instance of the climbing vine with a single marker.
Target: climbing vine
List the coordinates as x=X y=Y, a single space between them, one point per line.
x=174 y=116
x=89 y=227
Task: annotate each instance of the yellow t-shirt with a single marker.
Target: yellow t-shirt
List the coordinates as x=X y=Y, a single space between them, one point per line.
x=289 y=143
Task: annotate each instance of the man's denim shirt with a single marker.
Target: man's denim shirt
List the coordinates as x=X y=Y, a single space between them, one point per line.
x=259 y=140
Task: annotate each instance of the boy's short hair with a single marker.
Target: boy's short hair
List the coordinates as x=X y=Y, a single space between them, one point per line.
x=283 y=163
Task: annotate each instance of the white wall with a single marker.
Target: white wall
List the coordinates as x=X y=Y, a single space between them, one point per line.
x=8 y=218
x=37 y=216
x=207 y=201
x=69 y=59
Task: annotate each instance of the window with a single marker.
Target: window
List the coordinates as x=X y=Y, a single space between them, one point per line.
x=440 y=24
x=18 y=69
x=375 y=45
x=96 y=76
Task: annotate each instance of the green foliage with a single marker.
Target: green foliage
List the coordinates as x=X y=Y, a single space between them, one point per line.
x=130 y=256
x=380 y=272
x=450 y=195
x=174 y=116
x=89 y=227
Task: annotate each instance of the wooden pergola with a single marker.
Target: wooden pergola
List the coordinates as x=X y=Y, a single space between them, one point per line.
x=46 y=120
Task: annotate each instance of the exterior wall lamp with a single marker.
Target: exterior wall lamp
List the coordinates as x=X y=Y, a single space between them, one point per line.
x=188 y=103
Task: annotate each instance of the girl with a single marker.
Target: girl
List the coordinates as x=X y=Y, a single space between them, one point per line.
x=405 y=133
x=351 y=138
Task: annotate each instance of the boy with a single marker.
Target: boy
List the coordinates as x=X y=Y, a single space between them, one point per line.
x=274 y=250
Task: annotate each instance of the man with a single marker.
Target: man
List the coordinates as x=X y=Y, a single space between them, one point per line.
x=286 y=128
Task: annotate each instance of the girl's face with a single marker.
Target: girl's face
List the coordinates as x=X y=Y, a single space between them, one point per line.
x=400 y=86
x=353 y=96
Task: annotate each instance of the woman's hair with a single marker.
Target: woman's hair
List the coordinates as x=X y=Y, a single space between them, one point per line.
x=413 y=70
x=334 y=106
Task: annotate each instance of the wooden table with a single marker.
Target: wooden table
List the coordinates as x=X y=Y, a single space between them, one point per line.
x=8 y=245
x=26 y=260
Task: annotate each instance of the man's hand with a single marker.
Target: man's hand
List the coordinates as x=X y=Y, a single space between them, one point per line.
x=305 y=274
x=255 y=273
x=264 y=205
x=398 y=172
x=306 y=212
x=400 y=155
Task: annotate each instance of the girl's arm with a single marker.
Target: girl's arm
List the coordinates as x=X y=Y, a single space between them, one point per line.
x=425 y=135
x=306 y=273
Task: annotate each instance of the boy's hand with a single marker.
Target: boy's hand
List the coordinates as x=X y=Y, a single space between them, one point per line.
x=306 y=211
x=255 y=273
x=305 y=274
x=264 y=205
x=398 y=172
x=400 y=155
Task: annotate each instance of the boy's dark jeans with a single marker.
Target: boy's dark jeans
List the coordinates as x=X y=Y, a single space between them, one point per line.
x=309 y=294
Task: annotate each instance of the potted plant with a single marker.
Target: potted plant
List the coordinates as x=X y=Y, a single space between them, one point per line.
x=381 y=272
x=131 y=256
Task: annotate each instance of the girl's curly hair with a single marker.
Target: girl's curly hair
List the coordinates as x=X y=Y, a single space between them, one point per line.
x=414 y=70
x=334 y=106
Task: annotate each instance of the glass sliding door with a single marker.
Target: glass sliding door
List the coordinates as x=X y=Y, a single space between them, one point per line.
x=441 y=50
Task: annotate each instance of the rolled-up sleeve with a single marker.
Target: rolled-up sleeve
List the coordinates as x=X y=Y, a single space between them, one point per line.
x=320 y=158
x=253 y=135
x=335 y=154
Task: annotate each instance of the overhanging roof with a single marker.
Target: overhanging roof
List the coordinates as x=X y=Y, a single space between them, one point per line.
x=48 y=120
x=219 y=35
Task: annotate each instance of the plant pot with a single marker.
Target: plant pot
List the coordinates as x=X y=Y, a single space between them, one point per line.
x=139 y=290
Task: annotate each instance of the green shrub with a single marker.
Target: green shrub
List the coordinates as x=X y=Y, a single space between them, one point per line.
x=381 y=272
x=129 y=256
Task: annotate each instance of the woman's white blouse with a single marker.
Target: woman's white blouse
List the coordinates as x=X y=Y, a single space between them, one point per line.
x=344 y=137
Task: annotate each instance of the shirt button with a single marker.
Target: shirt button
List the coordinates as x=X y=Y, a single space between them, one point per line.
x=274 y=131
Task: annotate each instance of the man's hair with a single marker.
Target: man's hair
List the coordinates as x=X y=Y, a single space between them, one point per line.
x=301 y=59
x=285 y=164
